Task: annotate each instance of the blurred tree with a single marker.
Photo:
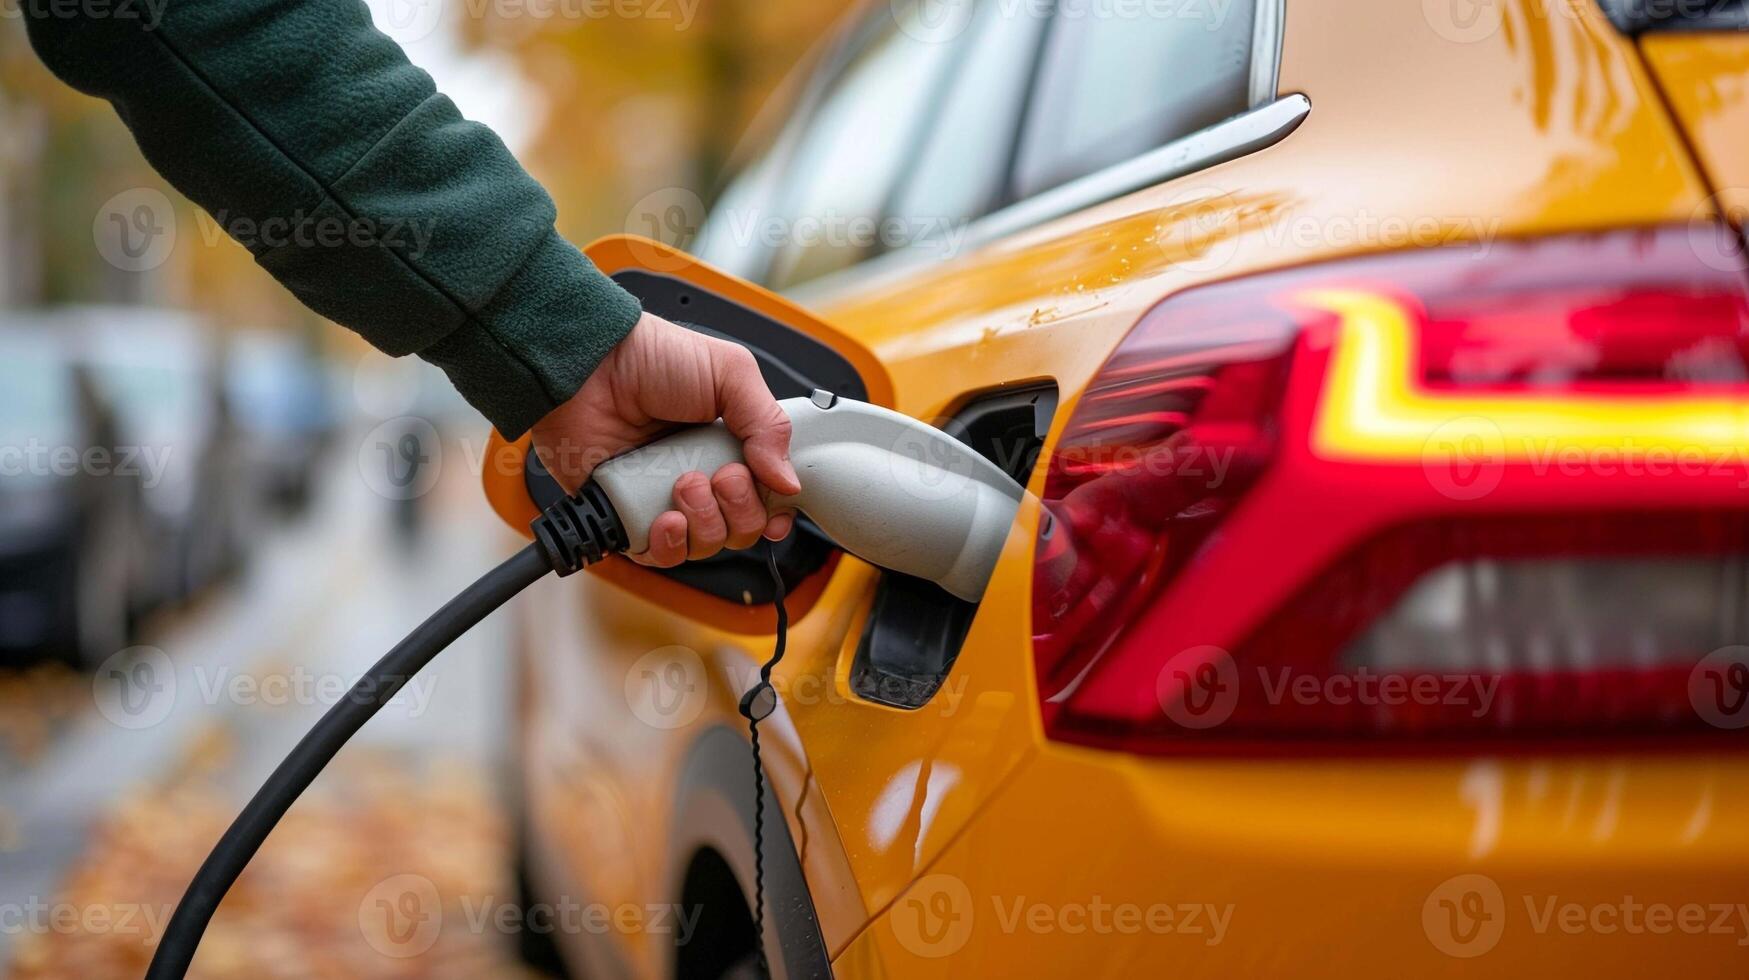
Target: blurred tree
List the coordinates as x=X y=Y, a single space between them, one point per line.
x=638 y=96
x=645 y=95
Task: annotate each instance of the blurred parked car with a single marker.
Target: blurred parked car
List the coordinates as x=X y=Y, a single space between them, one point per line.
x=71 y=543
x=279 y=394
x=161 y=371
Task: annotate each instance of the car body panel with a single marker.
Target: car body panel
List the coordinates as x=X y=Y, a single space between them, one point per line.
x=1548 y=123
x=1705 y=77
x=1369 y=850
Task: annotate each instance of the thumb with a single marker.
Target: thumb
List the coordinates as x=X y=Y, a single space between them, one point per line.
x=752 y=415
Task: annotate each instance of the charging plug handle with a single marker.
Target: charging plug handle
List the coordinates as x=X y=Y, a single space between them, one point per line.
x=885 y=487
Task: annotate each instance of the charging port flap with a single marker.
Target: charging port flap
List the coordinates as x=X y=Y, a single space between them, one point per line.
x=796 y=354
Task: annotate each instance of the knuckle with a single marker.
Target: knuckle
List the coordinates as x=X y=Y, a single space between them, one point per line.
x=742 y=359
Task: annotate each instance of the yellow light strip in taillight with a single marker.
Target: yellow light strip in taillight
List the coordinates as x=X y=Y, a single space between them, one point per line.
x=1373 y=408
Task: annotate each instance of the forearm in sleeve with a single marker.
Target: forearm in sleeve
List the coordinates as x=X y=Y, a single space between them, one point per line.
x=312 y=140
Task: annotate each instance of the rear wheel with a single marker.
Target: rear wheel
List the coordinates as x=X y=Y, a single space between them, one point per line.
x=724 y=945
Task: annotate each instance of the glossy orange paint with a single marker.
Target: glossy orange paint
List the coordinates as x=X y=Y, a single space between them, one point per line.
x=1705 y=77
x=1422 y=132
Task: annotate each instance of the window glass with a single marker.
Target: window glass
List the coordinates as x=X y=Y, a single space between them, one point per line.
x=960 y=171
x=1119 y=78
x=857 y=143
x=732 y=238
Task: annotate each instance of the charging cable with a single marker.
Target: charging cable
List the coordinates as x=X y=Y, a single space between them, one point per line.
x=759 y=702
x=572 y=534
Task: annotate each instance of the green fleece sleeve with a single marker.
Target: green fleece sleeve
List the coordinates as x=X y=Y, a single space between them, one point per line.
x=313 y=141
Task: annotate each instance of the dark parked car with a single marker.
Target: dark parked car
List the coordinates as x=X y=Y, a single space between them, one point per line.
x=71 y=507
x=278 y=390
x=161 y=371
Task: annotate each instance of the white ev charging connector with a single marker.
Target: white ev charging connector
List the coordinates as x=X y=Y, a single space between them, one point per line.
x=883 y=486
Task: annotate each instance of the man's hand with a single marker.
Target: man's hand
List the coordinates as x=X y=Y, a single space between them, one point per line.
x=662 y=374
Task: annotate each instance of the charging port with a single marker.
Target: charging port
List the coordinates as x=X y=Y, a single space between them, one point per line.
x=915 y=628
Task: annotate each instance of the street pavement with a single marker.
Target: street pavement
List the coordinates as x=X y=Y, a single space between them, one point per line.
x=111 y=785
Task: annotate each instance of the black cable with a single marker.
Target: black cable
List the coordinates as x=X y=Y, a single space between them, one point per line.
x=572 y=533
x=756 y=704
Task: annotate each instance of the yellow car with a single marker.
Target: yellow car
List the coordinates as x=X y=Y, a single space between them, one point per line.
x=1379 y=372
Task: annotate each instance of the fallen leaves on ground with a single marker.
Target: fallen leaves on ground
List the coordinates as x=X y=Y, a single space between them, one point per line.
x=387 y=868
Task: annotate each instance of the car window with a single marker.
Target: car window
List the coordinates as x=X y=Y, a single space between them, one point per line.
x=730 y=237
x=961 y=168
x=1119 y=78
x=36 y=394
x=858 y=142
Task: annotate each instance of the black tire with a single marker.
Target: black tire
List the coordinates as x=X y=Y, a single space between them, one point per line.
x=536 y=949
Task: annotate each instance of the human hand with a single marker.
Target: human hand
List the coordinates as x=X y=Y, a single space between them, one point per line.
x=659 y=375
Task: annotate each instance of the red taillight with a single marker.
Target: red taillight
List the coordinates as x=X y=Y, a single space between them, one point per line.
x=1162 y=443
x=1272 y=516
